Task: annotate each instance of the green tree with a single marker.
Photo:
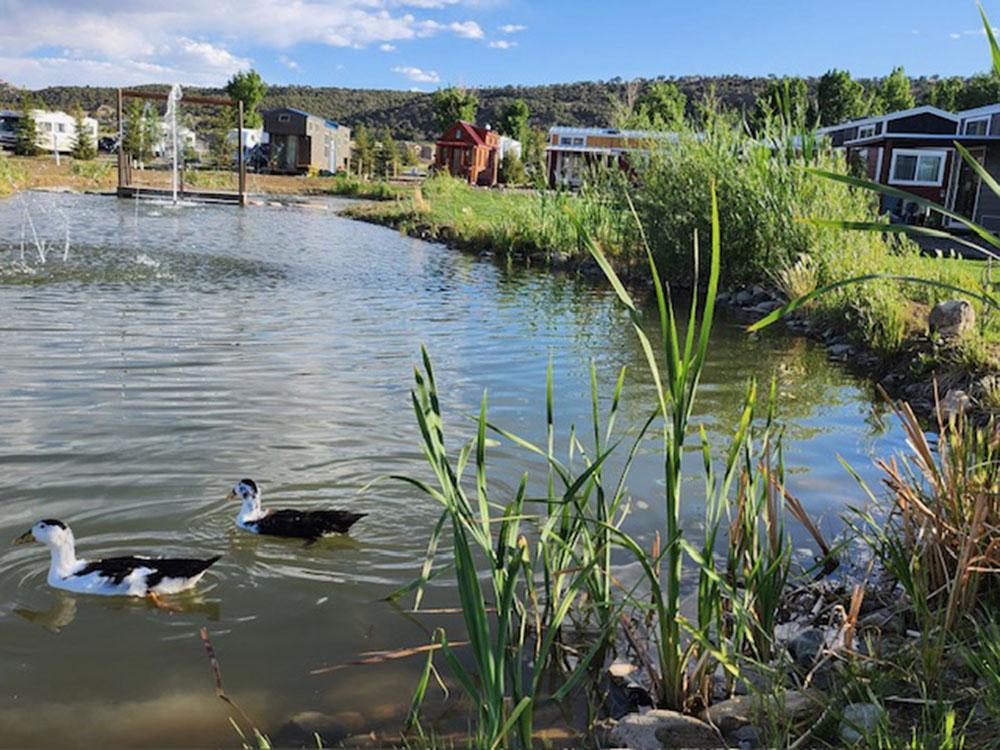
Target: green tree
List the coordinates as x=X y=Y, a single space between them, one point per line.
x=839 y=98
x=894 y=94
x=453 y=104
x=26 y=131
x=142 y=129
x=661 y=106
x=83 y=144
x=944 y=94
x=248 y=87
x=533 y=154
x=787 y=99
x=387 y=155
x=220 y=151
x=363 y=152
x=978 y=91
x=512 y=170
x=514 y=120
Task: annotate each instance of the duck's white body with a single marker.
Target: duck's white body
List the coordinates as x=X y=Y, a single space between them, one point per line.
x=113 y=576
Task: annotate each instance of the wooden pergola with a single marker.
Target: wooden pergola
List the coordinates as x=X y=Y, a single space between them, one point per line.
x=126 y=189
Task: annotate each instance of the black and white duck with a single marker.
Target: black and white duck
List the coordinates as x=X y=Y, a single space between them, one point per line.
x=133 y=575
x=300 y=524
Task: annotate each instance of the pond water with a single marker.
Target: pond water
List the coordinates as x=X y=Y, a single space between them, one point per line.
x=168 y=352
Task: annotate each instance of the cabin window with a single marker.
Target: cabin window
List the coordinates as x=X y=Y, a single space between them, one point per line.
x=911 y=167
x=284 y=118
x=61 y=127
x=867 y=131
x=979 y=126
x=46 y=126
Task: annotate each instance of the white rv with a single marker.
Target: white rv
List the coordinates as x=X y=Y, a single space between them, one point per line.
x=56 y=131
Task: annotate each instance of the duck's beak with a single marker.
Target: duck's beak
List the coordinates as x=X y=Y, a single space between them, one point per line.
x=232 y=495
x=26 y=538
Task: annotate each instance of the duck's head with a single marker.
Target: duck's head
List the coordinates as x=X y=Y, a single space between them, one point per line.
x=50 y=532
x=247 y=494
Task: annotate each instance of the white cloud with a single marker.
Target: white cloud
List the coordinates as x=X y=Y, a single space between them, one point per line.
x=512 y=28
x=387 y=47
x=288 y=63
x=502 y=44
x=418 y=75
x=954 y=35
x=192 y=41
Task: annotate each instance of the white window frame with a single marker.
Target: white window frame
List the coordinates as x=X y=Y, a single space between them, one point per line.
x=284 y=118
x=918 y=152
x=866 y=131
x=965 y=125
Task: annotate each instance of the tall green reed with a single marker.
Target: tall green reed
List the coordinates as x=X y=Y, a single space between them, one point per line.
x=506 y=630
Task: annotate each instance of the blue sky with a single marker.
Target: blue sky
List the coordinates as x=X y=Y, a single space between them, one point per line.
x=427 y=43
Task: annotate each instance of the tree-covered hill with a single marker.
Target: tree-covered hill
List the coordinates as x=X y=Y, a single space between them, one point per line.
x=410 y=115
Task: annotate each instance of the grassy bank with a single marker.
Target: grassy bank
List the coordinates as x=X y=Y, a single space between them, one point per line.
x=100 y=175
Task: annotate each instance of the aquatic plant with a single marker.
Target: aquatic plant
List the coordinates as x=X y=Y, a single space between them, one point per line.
x=501 y=686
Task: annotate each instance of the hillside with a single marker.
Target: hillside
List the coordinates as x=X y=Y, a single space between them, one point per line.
x=410 y=115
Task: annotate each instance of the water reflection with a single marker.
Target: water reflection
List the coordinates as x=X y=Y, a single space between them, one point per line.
x=173 y=351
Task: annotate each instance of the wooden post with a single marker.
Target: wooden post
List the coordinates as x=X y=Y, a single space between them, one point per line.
x=241 y=160
x=121 y=144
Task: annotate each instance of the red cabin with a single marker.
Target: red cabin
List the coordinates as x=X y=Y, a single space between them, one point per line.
x=469 y=152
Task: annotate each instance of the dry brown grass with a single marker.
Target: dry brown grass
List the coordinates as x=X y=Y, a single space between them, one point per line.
x=42 y=173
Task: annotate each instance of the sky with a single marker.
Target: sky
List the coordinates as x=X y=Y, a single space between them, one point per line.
x=426 y=44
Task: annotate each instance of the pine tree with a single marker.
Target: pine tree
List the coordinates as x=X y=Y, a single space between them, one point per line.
x=26 y=131
x=84 y=147
x=364 y=151
x=387 y=159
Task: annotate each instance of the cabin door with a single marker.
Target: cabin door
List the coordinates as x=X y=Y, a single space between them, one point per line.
x=965 y=195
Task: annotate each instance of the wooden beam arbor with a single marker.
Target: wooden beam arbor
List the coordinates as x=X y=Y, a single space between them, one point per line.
x=126 y=189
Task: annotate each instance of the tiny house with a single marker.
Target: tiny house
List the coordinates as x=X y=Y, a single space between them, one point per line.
x=302 y=142
x=470 y=152
x=571 y=152
x=914 y=150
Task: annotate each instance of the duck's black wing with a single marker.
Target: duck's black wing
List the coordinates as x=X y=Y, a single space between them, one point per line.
x=307 y=524
x=117 y=569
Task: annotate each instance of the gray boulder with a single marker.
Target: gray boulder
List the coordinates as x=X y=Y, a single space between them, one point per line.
x=952 y=319
x=859 y=721
x=658 y=729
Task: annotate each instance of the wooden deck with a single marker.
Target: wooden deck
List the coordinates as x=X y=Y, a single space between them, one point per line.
x=200 y=196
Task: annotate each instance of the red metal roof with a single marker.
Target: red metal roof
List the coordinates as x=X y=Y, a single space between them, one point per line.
x=476 y=135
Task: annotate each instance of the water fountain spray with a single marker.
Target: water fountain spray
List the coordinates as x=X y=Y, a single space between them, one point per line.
x=170 y=122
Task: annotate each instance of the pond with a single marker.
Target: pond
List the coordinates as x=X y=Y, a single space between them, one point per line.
x=159 y=354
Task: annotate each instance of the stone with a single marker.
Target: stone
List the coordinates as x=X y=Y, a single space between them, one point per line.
x=952 y=318
x=840 y=351
x=883 y=619
x=806 y=646
x=743 y=297
x=730 y=715
x=800 y=706
x=658 y=729
x=745 y=738
x=859 y=721
x=955 y=402
x=621 y=669
x=763 y=308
